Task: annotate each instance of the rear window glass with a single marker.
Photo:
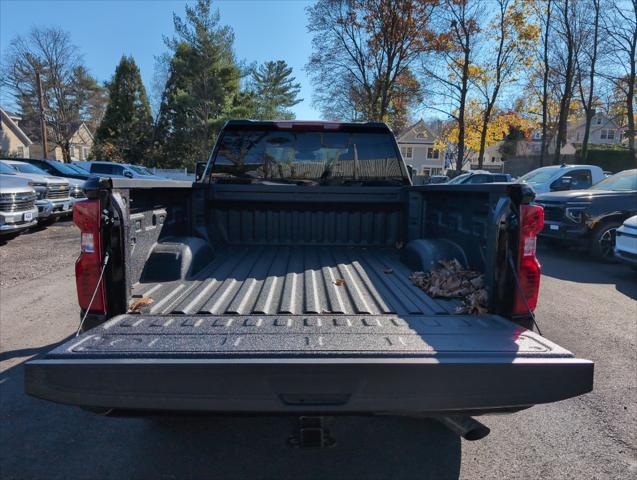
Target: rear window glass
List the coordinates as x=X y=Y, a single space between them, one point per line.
x=313 y=157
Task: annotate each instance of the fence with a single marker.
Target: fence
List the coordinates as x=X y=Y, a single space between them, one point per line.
x=174 y=173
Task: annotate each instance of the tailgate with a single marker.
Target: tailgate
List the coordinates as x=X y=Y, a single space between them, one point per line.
x=292 y=364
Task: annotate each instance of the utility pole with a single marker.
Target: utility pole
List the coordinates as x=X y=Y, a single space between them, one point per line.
x=45 y=143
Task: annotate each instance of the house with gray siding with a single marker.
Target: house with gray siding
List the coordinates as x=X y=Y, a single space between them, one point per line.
x=417 y=147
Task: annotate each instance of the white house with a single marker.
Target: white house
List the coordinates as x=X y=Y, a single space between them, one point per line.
x=417 y=148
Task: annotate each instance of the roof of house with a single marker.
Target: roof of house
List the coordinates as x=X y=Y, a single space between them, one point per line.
x=8 y=120
x=409 y=134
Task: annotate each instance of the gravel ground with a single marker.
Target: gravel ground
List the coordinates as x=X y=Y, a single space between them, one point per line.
x=38 y=252
x=584 y=306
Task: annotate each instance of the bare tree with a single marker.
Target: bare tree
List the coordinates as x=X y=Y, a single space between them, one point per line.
x=67 y=87
x=362 y=53
x=567 y=51
x=620 y=28
x=451 y=72
x=586 y=65
x=545 y=78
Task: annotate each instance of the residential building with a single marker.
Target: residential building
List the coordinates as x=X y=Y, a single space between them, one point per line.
x=604 y=130
x=80 y=147
x=492 y=159
x=13 y=141
x=417 y=147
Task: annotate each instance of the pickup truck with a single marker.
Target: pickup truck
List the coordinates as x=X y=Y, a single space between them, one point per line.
x=279 y=283
x=17 y=204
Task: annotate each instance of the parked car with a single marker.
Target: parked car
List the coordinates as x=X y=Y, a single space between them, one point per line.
x=59 y=169
x=53 y=193
x=280 y=284
x=558 y=178
x=112 y=169
x=53 y=168
x=438 y=179
x=17 y=203
x=479 y=176
x=591 y=217
x=626 y=242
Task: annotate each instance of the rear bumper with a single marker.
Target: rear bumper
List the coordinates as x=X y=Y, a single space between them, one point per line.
x=309 y=364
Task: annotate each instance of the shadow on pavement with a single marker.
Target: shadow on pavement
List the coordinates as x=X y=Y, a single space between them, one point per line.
x=577 y=266
x=44 y=440
x=27 y=352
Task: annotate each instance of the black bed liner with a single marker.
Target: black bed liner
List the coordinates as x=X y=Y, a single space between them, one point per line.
x=308 y=364
x=271 y=280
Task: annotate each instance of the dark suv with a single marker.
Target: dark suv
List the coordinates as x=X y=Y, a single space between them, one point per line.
x=59 y=169
x=590 y=217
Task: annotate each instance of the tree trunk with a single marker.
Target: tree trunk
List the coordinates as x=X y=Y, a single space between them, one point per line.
x=545 y=83
x=630 y=99
x=483 y=134
x=588 y=105
x=565 y=101
x=587 y=130
x=461 y=109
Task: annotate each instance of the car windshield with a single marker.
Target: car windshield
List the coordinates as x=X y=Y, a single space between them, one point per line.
x=78 y=169
x=140 y=170
x=315 y=157
x=620 y=182
x=6 y=169
x=28 y=168
x=539 y=176
x=460 y=178
x=65 y=169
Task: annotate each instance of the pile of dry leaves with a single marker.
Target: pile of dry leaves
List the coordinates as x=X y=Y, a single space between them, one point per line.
x=450 y=280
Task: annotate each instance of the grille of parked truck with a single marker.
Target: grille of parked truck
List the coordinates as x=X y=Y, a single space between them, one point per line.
x=17 y=203
x=53 y=193
x=280 y=283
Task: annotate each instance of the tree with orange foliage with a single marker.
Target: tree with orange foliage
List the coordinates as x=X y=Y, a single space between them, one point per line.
x=451 y=70
x=515 y=34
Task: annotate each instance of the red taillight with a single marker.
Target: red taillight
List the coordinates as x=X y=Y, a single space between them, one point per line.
x=88 y=266
x=532 y=223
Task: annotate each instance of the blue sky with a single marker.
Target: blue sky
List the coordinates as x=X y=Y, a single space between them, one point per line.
x=104 y=30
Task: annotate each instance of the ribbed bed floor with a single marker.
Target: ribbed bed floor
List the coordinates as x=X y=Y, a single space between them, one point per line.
x=296 y=281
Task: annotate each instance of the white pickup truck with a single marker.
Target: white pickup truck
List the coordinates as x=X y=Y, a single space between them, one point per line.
x=558 y=178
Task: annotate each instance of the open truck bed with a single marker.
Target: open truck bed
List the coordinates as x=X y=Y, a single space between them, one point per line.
x=270 y=297
x=271 y=280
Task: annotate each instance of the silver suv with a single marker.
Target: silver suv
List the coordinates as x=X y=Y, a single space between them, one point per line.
x=17 y=204
x=53 y=193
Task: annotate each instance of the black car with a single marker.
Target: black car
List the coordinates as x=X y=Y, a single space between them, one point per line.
x=590 y=217
x=59 y=169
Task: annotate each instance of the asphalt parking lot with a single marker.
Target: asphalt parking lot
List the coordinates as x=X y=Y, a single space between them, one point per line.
x=587 y=307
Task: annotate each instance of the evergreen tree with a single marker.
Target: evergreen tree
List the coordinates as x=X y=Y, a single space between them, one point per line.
x=125 y=132
x=201 y=90
x=275 y=90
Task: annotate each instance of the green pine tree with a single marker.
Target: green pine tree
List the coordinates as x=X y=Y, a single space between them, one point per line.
x=125 y=132
x=275 y=90
x=202 y=88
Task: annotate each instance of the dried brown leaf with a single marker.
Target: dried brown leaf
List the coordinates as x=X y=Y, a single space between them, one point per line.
x=136 y=306
x=339 y=282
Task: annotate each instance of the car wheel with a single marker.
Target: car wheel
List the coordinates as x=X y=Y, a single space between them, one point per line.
x=603 y=241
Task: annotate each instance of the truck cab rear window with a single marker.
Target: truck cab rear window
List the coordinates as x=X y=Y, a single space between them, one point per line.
x=324 y=158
